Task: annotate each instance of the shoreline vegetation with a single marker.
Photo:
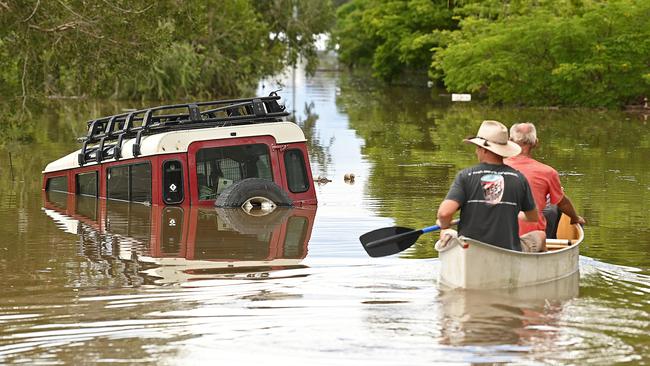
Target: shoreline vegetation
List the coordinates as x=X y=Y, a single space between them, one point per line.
x=549 y=54
x=585 y=53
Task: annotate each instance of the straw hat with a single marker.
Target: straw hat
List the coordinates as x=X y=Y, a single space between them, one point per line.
x=493 y=136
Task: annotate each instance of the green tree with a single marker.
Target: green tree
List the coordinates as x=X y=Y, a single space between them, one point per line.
x=522 y=52
x=391 y=36
x=294 y=25
x=599 y=57
x=73 y=47
x=215 y=48
x=162 y=50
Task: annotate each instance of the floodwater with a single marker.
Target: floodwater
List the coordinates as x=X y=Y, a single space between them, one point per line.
x=97 y=282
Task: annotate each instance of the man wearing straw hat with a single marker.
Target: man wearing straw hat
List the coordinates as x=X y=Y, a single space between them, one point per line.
x=491 y=195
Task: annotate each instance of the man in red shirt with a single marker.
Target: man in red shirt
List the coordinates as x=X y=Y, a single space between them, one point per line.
x=544 y=180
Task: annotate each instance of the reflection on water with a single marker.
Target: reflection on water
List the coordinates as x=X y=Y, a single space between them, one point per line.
x=319 y=151
x=474 y=317
x=170 y=244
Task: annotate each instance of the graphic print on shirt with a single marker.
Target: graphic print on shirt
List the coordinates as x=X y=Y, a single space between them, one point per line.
x=493 y=186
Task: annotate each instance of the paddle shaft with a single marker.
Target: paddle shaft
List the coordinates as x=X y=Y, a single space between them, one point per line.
x=429 y=229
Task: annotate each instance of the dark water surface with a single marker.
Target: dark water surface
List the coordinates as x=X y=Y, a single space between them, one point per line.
x=92 y=282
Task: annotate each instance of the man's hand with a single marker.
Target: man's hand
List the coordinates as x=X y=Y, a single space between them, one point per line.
x=567 y=208
x=578 y=220
x=445 y=236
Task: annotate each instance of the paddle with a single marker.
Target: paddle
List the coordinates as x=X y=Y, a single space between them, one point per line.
x=391 y=240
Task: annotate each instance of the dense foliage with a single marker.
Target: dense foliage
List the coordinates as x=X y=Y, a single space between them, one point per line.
x=390 y=35
x=141 y=49
x=547 y=52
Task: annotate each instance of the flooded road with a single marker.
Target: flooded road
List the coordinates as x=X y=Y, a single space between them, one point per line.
x=97 y=282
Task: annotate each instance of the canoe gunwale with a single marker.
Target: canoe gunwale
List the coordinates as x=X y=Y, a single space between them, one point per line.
x=578 y=241
x=518 y=253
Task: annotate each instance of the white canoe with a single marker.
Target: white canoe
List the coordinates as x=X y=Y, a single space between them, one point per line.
x=471 y=264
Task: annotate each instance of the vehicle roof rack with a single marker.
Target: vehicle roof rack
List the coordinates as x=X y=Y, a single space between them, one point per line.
x=151 y=121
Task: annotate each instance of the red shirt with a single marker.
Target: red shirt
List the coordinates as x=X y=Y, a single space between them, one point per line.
x=544 y=181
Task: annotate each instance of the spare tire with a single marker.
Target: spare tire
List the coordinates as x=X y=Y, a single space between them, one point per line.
x=252 y=189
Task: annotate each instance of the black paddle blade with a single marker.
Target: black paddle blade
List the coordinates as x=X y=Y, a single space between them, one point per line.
x=388 y=240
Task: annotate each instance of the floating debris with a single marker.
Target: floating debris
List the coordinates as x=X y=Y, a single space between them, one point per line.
x=322 y=180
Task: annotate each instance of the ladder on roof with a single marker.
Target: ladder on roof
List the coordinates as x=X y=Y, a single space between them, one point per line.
x=114 y=129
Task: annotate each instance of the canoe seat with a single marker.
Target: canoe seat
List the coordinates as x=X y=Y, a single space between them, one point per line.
x=556 y=246
x=567 y=231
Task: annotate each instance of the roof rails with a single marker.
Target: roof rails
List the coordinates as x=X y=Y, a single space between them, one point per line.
x=152 y=121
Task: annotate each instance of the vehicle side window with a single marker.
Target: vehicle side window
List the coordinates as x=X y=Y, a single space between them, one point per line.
x=296 y=172
x=172 y=182
x=57 y=184
x=117 y=183
x=129 y=182
x=219 y=167
x=140 y=183
x=87 y=184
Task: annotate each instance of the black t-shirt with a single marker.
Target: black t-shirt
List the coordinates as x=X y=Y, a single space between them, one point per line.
x=490 y=198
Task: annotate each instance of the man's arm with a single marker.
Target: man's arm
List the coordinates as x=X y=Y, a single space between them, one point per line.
x=446 y=213
x=567 y=208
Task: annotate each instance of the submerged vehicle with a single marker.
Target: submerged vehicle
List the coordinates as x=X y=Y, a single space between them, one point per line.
x=230 y=153
x=471 y=264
